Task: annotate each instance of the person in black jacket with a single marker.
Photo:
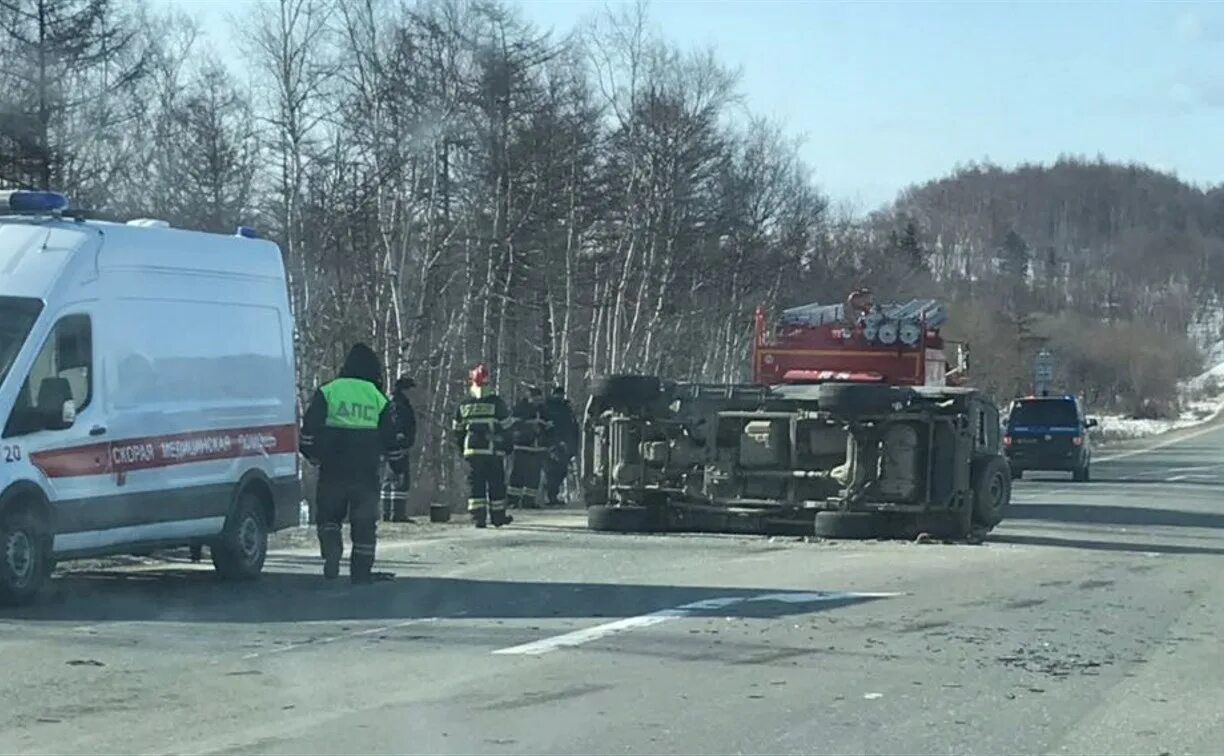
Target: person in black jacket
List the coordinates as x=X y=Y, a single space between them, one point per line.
x=565 y=438
x=532 y=439
x=396 y=484
x=347 y=430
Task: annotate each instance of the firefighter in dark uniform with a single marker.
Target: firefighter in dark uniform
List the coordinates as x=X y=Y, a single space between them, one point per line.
x=347 y=430
x=480 y=426
x=531 y=442
x=565 y=438
x=396 y=484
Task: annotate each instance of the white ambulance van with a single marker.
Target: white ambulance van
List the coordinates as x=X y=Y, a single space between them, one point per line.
x=147 y=393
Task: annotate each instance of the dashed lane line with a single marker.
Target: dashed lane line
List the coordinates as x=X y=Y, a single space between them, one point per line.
x=313 y=643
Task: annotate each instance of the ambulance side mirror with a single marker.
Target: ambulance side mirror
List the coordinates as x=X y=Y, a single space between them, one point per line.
x=56 y=408
x=62 y=420
x=68 y=413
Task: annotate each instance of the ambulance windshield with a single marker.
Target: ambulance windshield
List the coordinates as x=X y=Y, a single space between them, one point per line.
x=17 y=316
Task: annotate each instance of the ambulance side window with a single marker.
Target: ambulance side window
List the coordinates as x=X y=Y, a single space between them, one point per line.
x=63 y=370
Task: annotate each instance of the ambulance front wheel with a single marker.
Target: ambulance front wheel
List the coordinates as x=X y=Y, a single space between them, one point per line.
x=25 y=556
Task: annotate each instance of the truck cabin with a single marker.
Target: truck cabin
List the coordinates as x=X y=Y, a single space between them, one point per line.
x=893 y=344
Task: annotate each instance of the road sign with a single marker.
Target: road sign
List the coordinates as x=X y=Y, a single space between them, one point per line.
x=1044 y=372
x=1045 y=366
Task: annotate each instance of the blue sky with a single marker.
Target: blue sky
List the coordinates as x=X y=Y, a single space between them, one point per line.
x=889 y=94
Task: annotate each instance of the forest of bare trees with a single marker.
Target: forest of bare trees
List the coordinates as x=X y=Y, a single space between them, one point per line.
x=454 y=186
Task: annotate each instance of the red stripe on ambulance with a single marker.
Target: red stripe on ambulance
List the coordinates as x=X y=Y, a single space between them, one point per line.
x=156 y=452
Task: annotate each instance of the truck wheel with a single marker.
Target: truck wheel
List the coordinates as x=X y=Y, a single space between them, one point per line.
x=624 y=519
x=991 y=492
x=626 y=389
x=240 y=551
x=857 y=525
x=25 y=557
x=853 y=399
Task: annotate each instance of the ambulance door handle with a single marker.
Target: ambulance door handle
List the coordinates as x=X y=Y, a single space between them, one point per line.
x=97 y=430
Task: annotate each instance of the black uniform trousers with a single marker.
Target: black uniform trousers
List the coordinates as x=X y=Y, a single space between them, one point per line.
x=556 y=467
x=395 y=488
x=486 y=482
x=526 y=464
x=358 y=500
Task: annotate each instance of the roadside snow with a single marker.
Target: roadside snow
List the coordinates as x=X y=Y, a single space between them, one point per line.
x=1202 y=397
x=1115 y=428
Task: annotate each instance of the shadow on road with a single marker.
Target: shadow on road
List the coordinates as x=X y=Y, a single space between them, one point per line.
x=1115 y=515
x=197 y=595
x=1079 y=543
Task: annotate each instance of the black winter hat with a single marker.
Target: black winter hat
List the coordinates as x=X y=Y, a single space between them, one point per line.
x=363 y=363
x=404 y=382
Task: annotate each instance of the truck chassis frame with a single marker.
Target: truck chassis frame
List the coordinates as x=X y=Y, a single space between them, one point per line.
x=832 y=459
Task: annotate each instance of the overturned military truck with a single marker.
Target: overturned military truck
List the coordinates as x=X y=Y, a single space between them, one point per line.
x=854 y=426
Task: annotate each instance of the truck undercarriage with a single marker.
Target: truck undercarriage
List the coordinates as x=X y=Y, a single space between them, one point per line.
x=831 y=459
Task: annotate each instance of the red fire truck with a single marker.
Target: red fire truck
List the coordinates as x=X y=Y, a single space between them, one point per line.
x=854 y=425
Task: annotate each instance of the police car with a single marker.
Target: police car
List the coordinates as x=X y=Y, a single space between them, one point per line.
x=147 y=392
x=1048 y=433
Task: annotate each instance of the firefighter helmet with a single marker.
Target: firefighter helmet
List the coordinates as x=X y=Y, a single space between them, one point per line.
x=479 y=375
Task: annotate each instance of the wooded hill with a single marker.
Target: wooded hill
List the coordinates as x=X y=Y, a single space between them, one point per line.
x=1105 y=264
x=455 y=186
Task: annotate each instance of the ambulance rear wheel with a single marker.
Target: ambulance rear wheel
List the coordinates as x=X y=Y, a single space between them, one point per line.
x=240 y=552
x=25 y=557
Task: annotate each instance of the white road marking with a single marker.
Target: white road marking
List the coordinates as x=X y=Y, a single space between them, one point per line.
x=1195 y=469
x=580 y=637
x=1040 y=492
x=1193 y=479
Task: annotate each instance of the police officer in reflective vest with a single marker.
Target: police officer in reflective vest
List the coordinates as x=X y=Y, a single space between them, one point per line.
x=480 y=425
x=531 y=443
x=347 y=430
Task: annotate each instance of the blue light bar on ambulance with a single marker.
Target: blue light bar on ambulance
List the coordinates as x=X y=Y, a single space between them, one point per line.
x=246 y=232
x=24 y=201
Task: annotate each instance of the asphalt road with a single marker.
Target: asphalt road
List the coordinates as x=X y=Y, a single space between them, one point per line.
x=1087 y=623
